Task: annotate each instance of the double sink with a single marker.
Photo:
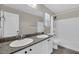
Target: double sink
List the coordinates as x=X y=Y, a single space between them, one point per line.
x=25 y=41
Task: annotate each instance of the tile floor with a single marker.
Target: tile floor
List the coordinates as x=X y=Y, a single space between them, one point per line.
x=62 y=50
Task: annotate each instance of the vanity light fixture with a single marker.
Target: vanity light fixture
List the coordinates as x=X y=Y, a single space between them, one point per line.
x=32 y=5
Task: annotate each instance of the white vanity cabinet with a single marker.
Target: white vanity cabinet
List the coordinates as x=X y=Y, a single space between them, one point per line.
x=39 y=48
x=43 y=47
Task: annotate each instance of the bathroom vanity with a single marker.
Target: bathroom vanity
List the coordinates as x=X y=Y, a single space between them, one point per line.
x=43 y=47
x=10 y=28
x=38 y=46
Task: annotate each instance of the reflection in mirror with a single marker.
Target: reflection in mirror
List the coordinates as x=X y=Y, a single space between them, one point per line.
x=40 y=27
x=32 y=5
x=47 y=19
x=9 y=24
x=0 y=22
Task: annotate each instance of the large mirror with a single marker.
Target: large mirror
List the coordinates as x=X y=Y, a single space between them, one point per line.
x=49 y=23
x=9 y=24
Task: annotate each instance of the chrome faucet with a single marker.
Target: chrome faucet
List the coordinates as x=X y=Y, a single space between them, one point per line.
x=21 y=36
x=54 y=35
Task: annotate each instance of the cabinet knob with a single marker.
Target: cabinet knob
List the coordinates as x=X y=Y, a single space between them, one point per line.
x=25 y=52
x=30 y=49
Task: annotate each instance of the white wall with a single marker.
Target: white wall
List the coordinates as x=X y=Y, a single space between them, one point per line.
x=67 y=31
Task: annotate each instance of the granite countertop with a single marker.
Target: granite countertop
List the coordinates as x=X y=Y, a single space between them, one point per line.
x=6 y=49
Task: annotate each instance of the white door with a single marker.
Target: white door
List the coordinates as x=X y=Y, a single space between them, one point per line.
x=11 y=24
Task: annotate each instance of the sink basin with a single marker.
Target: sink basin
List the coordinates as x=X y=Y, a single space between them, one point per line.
x=42 y=36
x=22 y=42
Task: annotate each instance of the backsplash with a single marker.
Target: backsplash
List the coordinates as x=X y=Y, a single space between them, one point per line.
x=2 y=40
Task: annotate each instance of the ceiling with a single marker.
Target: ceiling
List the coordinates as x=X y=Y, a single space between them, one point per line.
x=25 y=8
x=59 y=8
x=56 y=8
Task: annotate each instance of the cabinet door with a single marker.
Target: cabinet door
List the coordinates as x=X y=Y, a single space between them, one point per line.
x=11 y=24
x=45 y=47
x=35 y=49
x=50 y=45
x=40 y=48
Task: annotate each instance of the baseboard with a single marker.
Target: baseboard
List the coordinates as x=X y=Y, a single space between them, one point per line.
x=65 y=46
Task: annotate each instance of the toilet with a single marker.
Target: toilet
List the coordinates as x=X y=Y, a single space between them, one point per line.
x=56 y=42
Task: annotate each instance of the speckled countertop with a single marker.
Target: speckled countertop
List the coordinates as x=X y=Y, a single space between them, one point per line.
x=6 y=49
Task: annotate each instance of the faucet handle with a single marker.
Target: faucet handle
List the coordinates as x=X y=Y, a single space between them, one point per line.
x=17 y=36
x=54 y=35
